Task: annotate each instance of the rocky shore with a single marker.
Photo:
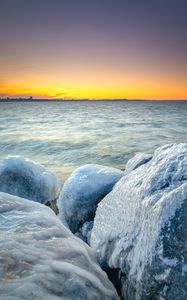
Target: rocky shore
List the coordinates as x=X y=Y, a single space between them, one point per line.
x=130 y=225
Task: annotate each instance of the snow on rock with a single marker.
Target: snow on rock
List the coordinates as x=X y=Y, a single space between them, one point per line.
x=136 y=161
x=140 y=228
x=41 y=259
x=82 y=192
x=22 y=177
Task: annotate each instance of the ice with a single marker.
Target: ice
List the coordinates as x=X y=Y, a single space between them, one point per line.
x=22 y=177
x=82 y=192
x=136 y=161
x=170 y=262
x=41 y=259
x=184 y=268
x=140 y=227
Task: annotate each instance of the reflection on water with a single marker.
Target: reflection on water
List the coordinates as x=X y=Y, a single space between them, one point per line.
x=65 y=135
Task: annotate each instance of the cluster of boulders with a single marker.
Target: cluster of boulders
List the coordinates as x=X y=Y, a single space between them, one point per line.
x=132 y=223
x=39 y=257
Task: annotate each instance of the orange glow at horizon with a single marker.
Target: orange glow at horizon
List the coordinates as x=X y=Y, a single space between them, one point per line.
x=138 y=77
x=96 y=86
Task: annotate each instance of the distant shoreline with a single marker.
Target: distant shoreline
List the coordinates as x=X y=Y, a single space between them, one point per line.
x=88 y=100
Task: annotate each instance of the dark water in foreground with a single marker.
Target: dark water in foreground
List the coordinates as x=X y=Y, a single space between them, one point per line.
x=65 y=135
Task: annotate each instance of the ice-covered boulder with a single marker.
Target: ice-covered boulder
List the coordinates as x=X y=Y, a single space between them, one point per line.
x=41 y=259
x=24 y=178
x=140 y=228
x=136 y=161
x=82 y=192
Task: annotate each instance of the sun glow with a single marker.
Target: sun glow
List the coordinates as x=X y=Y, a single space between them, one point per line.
x=110 y=87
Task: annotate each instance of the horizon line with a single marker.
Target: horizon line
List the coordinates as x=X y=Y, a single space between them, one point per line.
x=30 y=99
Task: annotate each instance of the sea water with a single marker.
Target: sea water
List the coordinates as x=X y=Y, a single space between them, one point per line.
x=65 y=135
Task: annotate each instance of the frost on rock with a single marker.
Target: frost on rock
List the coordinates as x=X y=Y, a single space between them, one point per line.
x=82 y=192
x=25 y=178
x=136 y=161
x=41 y=259
x=140 y=228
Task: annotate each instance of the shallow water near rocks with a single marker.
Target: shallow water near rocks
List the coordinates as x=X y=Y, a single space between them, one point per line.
x=65 y=135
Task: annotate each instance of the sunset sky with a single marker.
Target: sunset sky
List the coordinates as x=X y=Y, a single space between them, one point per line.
x=94 y=49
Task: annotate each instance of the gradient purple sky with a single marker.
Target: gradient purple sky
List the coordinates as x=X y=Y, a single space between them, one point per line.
x=94 y=49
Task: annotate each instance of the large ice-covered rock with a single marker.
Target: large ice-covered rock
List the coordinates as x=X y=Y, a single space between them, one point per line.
x=41 y=259
x=82 y=192
x=140 y=228
x=24 y=178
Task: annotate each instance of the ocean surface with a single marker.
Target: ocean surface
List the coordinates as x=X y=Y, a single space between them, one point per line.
x=65 y=135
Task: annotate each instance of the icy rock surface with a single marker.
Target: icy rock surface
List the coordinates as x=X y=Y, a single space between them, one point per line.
x=24 y=178
x=82 y=192
x=136 y=161
x=140 y=228
x=41 y=259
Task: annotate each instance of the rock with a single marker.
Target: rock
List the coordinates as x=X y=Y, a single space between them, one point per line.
x=136 y=161
x=140 y=228
x=41 y=259
x=24 y=178
x=82 y=192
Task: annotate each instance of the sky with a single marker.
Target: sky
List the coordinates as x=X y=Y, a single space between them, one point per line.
x=93 y=49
